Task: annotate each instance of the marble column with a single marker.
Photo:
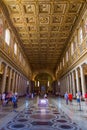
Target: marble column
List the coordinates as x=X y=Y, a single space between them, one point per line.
x=29 y=85
x=4 y=79
x=9 y=81
x=16 y=82
x=25 y=86
x=0 y=72
x=19 y=85
x=73 y=85
x=62 y=87
x=0 y=64
x=66 y=85
x=22 y=85
x=82 y=81
x=65 y=81
x=13 y=82
x=70 y=83
x=77 y=80
x=21 y=90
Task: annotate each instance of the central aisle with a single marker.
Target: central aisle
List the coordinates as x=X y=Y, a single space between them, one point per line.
x=34 y=117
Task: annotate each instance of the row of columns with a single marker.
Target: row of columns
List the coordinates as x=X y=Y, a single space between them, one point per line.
x=16 y=83
x=71 y=82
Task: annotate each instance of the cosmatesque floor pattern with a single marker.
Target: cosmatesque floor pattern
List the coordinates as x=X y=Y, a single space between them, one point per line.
x=34 y=117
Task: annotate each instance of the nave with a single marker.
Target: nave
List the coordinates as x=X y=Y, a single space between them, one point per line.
x=56 y=116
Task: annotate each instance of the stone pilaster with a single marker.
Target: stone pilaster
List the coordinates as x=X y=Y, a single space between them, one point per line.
x=4 y=79
x=73 y=85
x=82 y=81
x=9 y=81
x=13 y=82
x=77 y=80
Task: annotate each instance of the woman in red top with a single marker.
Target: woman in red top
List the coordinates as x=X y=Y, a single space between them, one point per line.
x=70 y=97
x=86 y=98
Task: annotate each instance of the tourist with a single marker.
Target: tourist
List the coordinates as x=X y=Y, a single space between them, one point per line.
x=3 y=98
x=70 y=97
x=66 y=97
x=78 y=97
x=86 y=98
x=45 y=95
x=14 y=100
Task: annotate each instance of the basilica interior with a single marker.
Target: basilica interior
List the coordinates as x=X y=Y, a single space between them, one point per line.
x=43 y=47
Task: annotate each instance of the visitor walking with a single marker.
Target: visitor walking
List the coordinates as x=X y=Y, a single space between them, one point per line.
x=70 y=96
x=66 y=97
x=14 y=100
x=86 y=98
x=78 y=97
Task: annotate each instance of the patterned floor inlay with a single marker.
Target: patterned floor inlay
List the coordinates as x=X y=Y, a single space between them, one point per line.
x=42 y=116
x=34 y=117
x=42 y=123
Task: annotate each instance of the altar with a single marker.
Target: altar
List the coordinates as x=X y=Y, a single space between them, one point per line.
x=43 y=102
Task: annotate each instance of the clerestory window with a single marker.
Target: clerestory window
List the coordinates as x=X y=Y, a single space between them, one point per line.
x=15 y=48
x=7 y=36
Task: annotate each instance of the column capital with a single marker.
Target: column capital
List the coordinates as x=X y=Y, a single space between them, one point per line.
x=82 y=80
x=77 y=69
x=81 y=67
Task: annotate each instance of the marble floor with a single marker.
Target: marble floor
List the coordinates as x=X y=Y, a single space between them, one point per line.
x=54 y=116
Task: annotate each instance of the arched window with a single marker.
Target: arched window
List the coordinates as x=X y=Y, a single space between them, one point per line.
x=15 y=49
x=7 y=36
x=80 y=35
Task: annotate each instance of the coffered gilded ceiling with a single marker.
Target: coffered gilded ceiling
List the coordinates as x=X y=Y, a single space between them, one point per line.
x=44 y=26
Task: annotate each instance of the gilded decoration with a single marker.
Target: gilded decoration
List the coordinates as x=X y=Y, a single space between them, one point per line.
x=44 y=28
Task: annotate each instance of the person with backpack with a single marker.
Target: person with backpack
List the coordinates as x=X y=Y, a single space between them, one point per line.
x=14 y=100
